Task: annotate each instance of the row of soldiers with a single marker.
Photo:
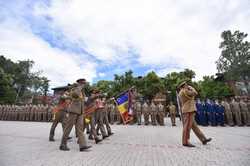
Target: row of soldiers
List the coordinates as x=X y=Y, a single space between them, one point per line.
x=144 y=113
x=153 y=113
x=27 y=112
x=220 y=112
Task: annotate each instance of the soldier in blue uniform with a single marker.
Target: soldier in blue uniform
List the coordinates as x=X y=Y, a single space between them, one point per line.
x=214 y=113
x=210 y=112
x=198 y=115
x=204 y=119
x=219 y=113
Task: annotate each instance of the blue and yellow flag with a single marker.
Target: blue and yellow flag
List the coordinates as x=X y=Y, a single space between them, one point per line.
x=124 y=106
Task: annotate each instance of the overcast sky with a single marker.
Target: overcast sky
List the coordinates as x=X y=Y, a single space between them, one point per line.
x=70 y=39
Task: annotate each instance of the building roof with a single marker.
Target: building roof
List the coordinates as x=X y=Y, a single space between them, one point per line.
x=60 y=88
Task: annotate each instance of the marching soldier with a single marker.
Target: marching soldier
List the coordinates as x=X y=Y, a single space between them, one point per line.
x=153 y=113
x=112 y=113
x=188 y=108
x=235 y=106
x=145 y=111
x=161 y=113
x=172 y=112
x=138 y=109
x=92 y=117
x=75 y=117
x=59 y=114
x=100 y=118
x=106 y=121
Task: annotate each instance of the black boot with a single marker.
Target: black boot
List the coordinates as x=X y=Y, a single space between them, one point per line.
x=206 y=141
x=189 y=145
x=64 y=148
x=97 y=140
x=110 y=134
x=84 y=148
x=51 y=139
x=91 y=137
x=69 y=138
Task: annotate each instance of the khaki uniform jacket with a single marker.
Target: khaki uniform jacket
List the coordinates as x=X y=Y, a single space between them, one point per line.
x=187 y=101
x=226 y=105
x=172 y=109
x=235 y=106
x=145 y=107
x=77 y=105
x=160 y=107
x=243 y=107
x=138 y=107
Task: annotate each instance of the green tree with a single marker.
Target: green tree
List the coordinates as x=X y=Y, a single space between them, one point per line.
x=212 y=89
x=172 y=80
x=7 y=92
x=19 y=78
x=234 y=60
x=151 y=85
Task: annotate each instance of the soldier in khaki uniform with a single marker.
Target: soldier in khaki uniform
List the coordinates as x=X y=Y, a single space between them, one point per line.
x=92 y=117
x=235 y=107
x=134 y=113
x=138 y=109
x=160 y=113
x=36 y=109
x=100 y=117
x=248 y=113
x=105 y=120
x=50 y=108
x=172 y=112
x=244 y=110
x=153 y=113
x=188 y=108
x=145 y=111
x=1 y=111
x=112 y=113
x=228 y=113
x=5 y=111
x=60 y=114
x=75 y=117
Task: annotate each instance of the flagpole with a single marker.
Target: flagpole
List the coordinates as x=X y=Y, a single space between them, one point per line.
x=179 y=107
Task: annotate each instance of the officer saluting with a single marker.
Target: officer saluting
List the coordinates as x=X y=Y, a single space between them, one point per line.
x=75 y=117
x=188 y=108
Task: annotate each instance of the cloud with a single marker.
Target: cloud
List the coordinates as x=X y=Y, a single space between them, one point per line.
x=18 y=43
x=163 y=33
x=96 y=39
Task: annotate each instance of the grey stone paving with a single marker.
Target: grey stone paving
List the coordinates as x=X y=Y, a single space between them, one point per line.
x=26 y=143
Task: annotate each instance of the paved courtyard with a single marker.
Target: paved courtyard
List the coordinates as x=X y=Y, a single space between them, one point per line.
x=26 y=143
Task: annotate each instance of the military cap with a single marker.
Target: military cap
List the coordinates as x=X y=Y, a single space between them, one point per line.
x=95 y=91
x=81 y=80
x=182 y=84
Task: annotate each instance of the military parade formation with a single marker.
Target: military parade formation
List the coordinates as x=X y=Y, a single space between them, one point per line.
x=93 y=115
